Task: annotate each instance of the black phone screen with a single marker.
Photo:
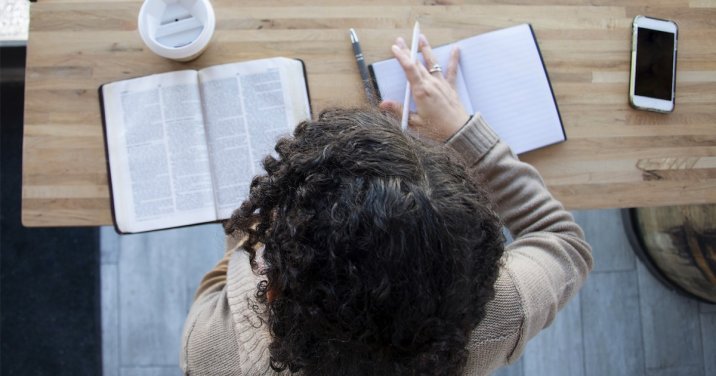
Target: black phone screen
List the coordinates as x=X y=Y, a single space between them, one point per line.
x=654 y=64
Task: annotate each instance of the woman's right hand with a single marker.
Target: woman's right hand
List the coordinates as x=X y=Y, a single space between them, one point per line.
x=439 y=111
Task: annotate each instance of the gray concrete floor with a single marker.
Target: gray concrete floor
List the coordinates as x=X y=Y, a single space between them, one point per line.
x=623 y=322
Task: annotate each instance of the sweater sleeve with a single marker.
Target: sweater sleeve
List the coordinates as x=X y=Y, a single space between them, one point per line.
x=221 y=335
x=215 y=279
x=549 y=259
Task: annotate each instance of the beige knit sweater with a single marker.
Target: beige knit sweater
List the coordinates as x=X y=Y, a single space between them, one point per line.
x=543 y=268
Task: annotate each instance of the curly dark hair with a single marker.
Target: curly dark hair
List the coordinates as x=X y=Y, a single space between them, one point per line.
x=380 y=250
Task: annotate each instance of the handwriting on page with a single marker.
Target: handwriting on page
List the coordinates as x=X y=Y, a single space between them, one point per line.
x=508 y=85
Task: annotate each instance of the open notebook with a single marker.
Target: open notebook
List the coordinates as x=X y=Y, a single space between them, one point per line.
x=502 y=76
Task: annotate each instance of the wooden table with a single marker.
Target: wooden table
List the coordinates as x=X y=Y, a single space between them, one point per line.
x=615 y=156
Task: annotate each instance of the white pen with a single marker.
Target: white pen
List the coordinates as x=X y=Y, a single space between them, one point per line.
x=413 y=57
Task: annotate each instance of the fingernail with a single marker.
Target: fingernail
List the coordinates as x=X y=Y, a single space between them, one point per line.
x=400 y=42
x=395 y=48
x=423 y=39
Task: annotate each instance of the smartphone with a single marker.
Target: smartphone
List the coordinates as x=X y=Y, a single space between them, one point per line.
x=653 y=64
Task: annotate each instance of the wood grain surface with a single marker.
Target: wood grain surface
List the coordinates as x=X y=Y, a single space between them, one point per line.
x=614 y=157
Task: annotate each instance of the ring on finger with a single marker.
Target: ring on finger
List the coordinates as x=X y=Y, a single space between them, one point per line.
x=435 y=68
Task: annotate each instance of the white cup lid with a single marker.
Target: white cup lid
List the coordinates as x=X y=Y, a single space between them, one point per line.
x=176 y=29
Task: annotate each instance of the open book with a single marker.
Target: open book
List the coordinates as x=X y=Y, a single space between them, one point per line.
x=183 y=146
x=502 y=76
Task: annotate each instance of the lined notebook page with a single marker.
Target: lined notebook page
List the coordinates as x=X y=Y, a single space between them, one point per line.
x=504 y=80
x=507 y=83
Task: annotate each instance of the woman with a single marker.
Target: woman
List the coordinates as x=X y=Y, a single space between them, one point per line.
x=369 y=250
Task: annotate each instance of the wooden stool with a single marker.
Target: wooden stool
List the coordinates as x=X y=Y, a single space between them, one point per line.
x=678 y=246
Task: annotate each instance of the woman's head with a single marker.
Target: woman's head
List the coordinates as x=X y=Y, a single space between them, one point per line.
x=380 y=250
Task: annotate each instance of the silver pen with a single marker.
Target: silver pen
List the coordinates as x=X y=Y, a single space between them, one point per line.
x=362 y=69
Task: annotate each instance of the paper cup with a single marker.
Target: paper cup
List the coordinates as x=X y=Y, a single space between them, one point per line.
x=177 y=29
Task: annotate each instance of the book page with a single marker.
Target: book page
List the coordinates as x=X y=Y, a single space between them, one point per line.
x=158 y=158
x=391 y=81
x=248 y=107
x=508 y=85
